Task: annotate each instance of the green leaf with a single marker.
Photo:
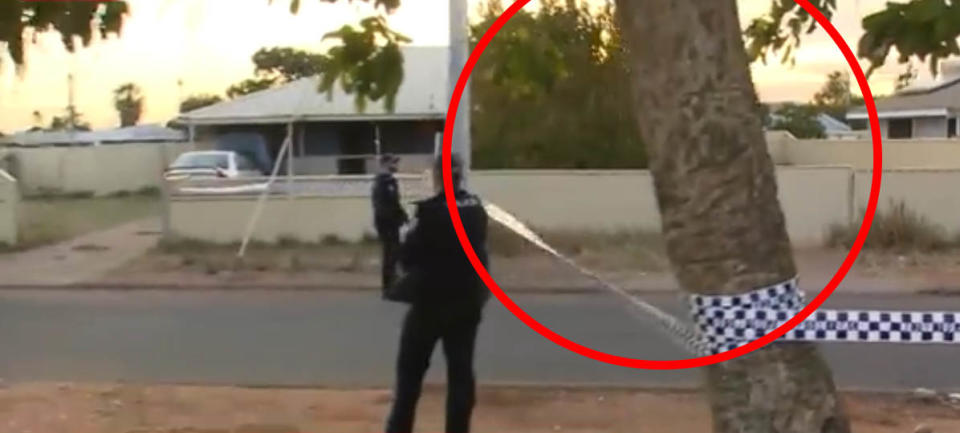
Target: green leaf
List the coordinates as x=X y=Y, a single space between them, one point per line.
x=72 y=20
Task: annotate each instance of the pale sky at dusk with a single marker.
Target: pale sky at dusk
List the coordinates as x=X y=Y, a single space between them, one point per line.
x=208 y=44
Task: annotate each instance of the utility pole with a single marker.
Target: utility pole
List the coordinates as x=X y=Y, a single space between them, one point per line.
x=459 y=51
x=179 y=92
x=71 y=110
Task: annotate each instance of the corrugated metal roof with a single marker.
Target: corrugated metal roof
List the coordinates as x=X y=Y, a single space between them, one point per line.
x=829 y=124
x=945 y=95
x=136 y=133
x=832 y=125
x=44 y=138
x=421 y=96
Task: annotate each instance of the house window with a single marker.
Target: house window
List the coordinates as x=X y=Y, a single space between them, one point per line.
x=900 y=128
x=952 y=127
x=858 y=124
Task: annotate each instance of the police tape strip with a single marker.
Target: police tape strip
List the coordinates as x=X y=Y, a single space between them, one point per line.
x=674 y=328
x=725 y=322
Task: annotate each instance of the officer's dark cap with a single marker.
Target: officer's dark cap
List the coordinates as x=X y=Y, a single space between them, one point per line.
x=456 y=165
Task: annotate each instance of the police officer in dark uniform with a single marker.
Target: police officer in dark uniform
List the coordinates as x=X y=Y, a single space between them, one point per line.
x=447 y=307
x=388 y=217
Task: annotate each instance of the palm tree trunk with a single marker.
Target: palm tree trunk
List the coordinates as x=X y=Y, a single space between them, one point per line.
x=724 y=229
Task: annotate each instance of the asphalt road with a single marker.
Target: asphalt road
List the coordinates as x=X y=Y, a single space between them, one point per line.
x=349 y=339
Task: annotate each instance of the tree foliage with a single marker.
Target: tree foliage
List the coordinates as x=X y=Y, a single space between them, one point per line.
x=276 y=66
x=70 y=120
x=923 y=29
x=834 y=97
x=906 y=78
x=368 y=63
x=799 y=119
x=250 y=85
x=194 y=102
x=128 y=101
x=552 y=91
x=72 y=20
x=835 y=92
x=286 y=64
x=779 y=31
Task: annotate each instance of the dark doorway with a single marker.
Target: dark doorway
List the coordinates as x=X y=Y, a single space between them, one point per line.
x=900 y=128
x=357 y=140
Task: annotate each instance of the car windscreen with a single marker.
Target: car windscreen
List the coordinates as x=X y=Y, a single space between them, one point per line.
x=202 y=160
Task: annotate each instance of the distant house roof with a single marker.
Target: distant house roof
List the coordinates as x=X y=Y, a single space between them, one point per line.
x=139 y=133
x=829 y=124
x=131 y=134
x=43 y=138
x=423 y=95
x=937 y=99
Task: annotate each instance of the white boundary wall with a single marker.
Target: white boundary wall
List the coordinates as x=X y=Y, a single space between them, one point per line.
x=813 y=199
x=98 y=170
x=9 y=204
x=897 y=154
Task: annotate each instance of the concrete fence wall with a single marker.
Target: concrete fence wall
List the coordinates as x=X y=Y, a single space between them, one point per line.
x=99 y=170
x=9 y=204
x=319 y=207
x=574 y=200
x=897 y=154
x=813 y=199
x=306 y=219
x=933 y=194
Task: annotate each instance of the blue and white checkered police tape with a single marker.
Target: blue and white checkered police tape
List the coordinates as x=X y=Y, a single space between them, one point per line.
x=725 y=322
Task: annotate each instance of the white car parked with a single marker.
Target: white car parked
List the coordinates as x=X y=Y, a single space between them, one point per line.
x=222 y=164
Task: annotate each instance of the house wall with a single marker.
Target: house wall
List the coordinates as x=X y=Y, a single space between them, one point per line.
x=897 y=154
x=929 y=127
x=319 y=145
x=923 y=128
x=9 y=204
x=99 y=170
x=311 y=165
x=327 y=165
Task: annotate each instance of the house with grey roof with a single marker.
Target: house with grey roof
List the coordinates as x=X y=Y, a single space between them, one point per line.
x=920 y=111
x=330 y=135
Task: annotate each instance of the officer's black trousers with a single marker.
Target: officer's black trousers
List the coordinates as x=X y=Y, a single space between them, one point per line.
x=422 y=328
x=390 y=239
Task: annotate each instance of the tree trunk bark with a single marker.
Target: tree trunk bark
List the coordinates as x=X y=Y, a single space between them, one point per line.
x=698 y=114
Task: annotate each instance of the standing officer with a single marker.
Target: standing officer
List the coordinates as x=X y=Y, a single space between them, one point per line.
x=388 y=216
x=447 y=305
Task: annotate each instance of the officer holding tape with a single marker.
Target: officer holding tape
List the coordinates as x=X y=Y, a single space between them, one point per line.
x=446 y=298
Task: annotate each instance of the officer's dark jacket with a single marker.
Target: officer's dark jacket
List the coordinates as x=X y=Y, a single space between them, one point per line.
x=386 y=201
x=432 y=248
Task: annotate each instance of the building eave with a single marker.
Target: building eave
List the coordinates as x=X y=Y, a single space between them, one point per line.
x=265 y=120
x=901 y=114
